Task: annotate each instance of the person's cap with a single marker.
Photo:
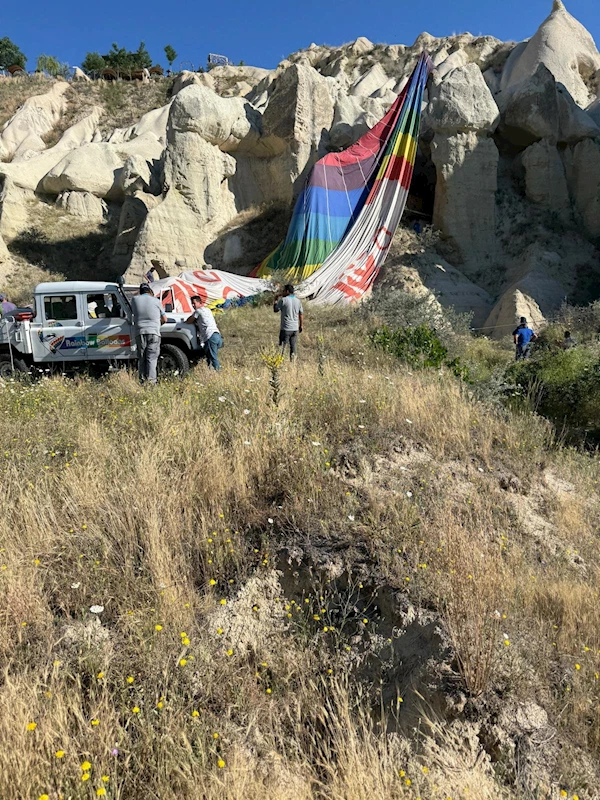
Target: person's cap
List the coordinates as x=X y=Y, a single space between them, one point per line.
x=145 y=289
x=523 y=319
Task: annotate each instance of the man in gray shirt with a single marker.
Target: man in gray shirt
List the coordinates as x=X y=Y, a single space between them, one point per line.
x=292 y=314
x=148 y=316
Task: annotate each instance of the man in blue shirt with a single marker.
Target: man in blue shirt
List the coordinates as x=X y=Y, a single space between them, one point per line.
x=523 y=336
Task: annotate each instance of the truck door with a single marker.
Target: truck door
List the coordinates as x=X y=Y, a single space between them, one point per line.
x=107 y=327
x=57 y=331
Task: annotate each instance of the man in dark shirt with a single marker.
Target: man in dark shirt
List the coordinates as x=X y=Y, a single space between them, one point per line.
x=568 y=342
x=292 y=317
x=148 y=316
x=523 y=336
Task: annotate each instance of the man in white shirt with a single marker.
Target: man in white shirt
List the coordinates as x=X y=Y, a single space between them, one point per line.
x=209 y=335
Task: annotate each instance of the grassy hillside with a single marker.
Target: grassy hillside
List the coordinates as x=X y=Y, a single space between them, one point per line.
x=123 y=102
x=379 y=588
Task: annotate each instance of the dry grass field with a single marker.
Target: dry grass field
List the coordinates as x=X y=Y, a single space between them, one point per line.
x=378 y=588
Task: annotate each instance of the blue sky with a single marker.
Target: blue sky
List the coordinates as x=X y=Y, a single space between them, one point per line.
x=260 y=33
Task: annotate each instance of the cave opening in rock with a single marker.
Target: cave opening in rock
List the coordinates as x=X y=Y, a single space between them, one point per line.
x=421 y=197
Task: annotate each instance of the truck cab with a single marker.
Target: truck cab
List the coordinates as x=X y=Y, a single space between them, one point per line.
x=78 y=322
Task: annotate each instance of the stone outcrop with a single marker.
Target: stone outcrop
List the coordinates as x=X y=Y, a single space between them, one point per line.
x=296 y=121
x=545 y=179
x=97 y=167
x=574 y=124
x=465 y=196
x=154 y=122
x=198 y=200
x=83 y=204
x=28 y=172
x=461 y=102
x=583 y=176
x=505 y=316
x=14 y=203
x=92 y=168
x=540 y=108
x=462 y=113
x=430 y=275
x=5 y=260
x=530 y=109
x=538 y=281
x=36 y=117
x=564 y=47
x=373 y=80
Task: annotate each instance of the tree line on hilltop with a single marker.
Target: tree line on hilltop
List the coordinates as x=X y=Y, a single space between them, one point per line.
x=118 y=58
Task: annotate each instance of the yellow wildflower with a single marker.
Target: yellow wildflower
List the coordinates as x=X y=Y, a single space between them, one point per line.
x=220 y=763
x=135 y=710
x=158 y=627
x=101 y=791
x=195 y=713
x=95 y=722
x=130 y=679
x=31 y=726
x=60 y=754
x=86 y=766
x=182 y=662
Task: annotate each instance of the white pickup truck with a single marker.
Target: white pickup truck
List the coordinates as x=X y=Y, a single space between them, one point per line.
x=75 y=323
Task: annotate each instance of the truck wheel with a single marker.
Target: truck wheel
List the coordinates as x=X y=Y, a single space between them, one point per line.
x=8 y=368
x=173 y=361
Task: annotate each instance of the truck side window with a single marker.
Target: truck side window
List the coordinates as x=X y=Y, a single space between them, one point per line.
x=60 y=307
x=103 y=306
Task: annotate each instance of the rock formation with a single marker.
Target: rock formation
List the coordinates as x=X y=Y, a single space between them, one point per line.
x=565 y=48
x=508 y=165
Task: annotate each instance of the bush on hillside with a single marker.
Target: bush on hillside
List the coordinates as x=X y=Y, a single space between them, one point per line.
x=419 y=347
x=401 y=309
x=564 y=386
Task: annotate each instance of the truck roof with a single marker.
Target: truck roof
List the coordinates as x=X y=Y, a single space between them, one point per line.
x=59 y=287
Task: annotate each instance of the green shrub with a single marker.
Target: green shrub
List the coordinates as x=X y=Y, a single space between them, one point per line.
x=419 y=347
x=563 y=385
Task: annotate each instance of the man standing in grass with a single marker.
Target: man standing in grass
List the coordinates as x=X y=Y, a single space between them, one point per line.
x=523 y=336
x=208 y=333
x=292 y=314
x=147 y=318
